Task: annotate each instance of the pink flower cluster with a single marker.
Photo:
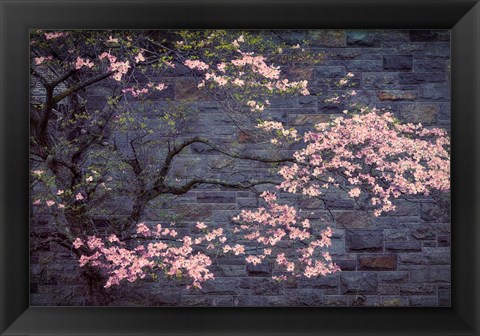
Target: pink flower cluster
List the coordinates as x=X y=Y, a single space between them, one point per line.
x=162 y=251
x=371 y=152
x=110 y=57
x=247 y=71
x=137 y=92
x=220 y=80
x=271 y=225
x=54 y=35
x=119 y=68
x=196 y=64
x=111 y=40
x=81 y=62
x=40 y=60
x=139 y=58
x=258 y=65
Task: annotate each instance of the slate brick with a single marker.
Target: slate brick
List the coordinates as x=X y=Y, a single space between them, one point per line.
x=364 y=241
x=398 y=62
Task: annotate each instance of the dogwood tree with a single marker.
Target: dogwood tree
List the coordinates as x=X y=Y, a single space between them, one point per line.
x=77 y=166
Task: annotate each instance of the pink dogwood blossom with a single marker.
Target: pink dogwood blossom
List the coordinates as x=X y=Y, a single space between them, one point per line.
x=374 y=153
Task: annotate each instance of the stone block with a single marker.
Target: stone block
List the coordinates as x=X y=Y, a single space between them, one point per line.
x=216 y=197
x=443 y=241
x=165 y=296
x=395 y=234
x=260 y=270
x=374 y=38
x=397 y=62
x=418 y=289
x=305 y=297
x=354 y=220
x=247 y=203
x=394 y=301
x=389 y=289
x=421 y=77
x=277 y=301
x=358 y=283
x=444 y=298
x=424 y=113
x=284 y=102
x=356 y=53
x=377 y=262
x=221 y=286
x=426 y=258
x=380 y=81
x=364 y=65
x=323 y=282
x=424 y=50
x=308 y=102
x=339 y=300
x=309 y=119
x=205 y=301
x=434 y=92
x=428 y=273
x=327 y=38
x=438 y=66
x=364 y=241
x=244 y=194
x=431 y=212
x=329 y=72
x=423 y=301
x=400 y=222
x=339 y=202
x=187 y=89
x=266 y=286
x=193 y=211
x=251 y=301
x=325 y=106
x=298 y=73
x=224 y=216
x=426 y=35
x=396 y=95
x=423 y=232
x=222 y=301
x=394 y=277
x=397 y=247
x=230 y=271
x=346 y=265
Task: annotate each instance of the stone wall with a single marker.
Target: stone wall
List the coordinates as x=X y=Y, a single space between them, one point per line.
x=398 y=259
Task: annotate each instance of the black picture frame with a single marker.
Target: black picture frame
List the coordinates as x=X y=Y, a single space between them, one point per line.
x=18 y=16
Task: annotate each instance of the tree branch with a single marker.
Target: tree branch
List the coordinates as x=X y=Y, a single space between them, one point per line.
x=80 y=86
x=177 y=149
x=239 y=185
x=62 y=77
x=39 y=76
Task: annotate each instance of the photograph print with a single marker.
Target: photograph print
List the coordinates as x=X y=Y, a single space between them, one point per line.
x=266 y=168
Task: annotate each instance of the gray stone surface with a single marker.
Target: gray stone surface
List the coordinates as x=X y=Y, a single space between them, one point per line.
x=364 y=241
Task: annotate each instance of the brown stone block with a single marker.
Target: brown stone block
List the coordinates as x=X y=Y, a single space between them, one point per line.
x=396 y=95
x=377 y=262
